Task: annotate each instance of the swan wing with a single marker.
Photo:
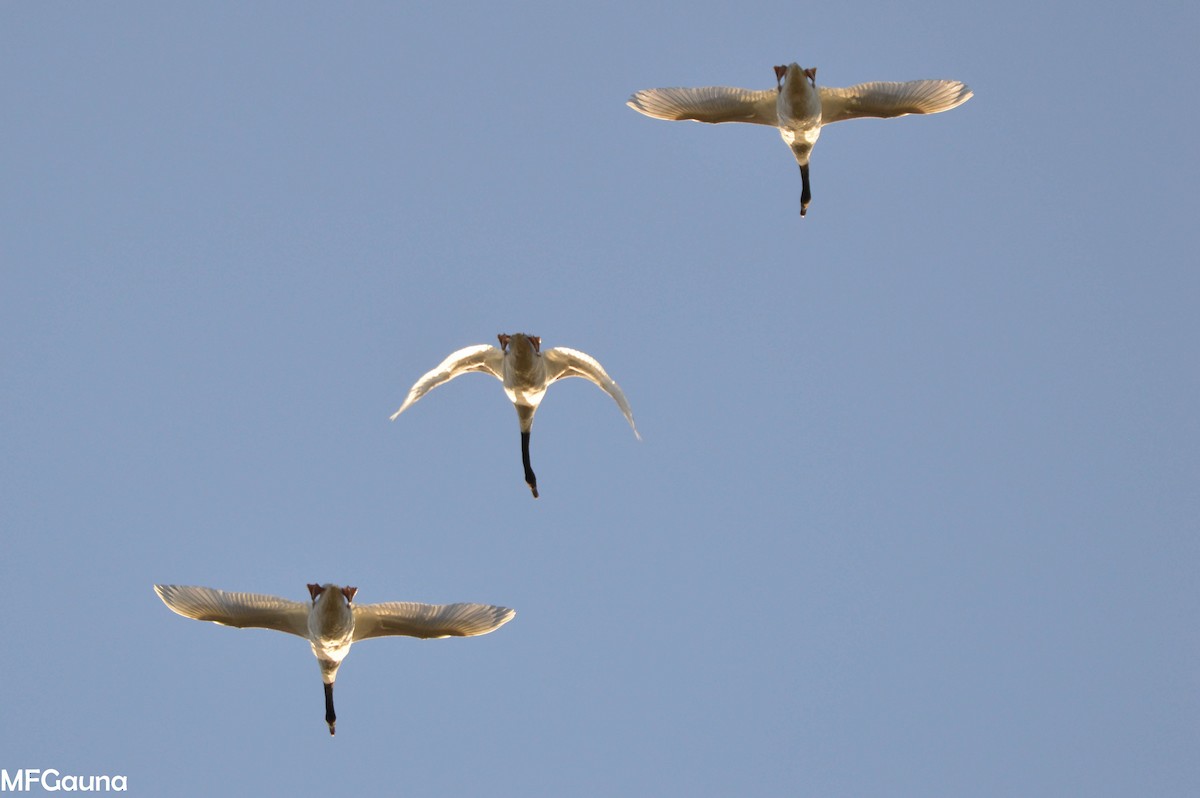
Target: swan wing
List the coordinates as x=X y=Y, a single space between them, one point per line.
x=885 y=99
x=236 y=609
x=712 y=104
x=562 y=362
x=413 y=619
x=480 y=357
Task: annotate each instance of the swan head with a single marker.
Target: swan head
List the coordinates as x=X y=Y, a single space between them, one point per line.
x=332 y=591
x=331 y=625
x=521 y=343
x=794 y=78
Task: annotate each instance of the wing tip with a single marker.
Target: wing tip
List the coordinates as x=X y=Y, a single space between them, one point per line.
x=171 y=596
x=501 y=616
x=637 y=101
x=494 y=617
x=955 y=94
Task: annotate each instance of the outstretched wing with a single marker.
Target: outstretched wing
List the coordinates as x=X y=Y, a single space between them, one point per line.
x=236 y=609
x=887 y=99
x=708 y=104
x=562 y=362
x=480 y=357
x=413 y=619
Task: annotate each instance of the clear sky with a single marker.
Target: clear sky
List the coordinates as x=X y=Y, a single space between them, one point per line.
x=916 y=508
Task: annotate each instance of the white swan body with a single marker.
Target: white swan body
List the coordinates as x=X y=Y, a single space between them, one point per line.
x=526 y=373
x=799 y=108
x=332 y=622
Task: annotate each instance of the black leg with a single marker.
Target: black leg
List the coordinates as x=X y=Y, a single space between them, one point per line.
x=330 y=718
x=530 y=479
x=805 y=193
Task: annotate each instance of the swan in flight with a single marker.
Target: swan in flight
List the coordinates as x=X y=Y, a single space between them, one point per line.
x=798 y=107
x=526 y=372
x=332 y=622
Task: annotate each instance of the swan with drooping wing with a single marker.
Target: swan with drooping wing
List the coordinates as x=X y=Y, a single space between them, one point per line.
x=526 y=372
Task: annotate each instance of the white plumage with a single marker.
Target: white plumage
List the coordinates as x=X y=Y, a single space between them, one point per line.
x=526 y=373
x=798 y=108
x=332 y=622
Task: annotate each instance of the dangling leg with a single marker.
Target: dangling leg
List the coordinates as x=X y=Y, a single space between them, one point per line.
x=525 y=416
x=330 y=717
x=805 y=193
x=530 y=479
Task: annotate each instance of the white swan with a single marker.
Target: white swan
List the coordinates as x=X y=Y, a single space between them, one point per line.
x=798 y=107
x=332 y=622
x=526 y=372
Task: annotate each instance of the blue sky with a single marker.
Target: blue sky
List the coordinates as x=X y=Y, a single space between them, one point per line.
x=915 y=512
